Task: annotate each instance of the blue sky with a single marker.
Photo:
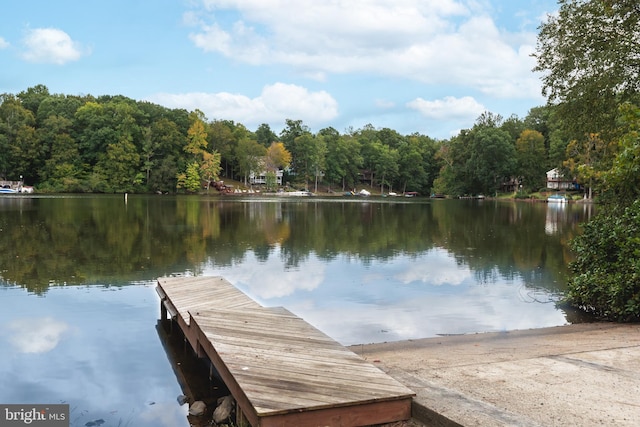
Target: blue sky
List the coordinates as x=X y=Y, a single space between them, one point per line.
x=427 y=66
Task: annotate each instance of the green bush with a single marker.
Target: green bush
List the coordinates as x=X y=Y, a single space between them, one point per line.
x=606 y=272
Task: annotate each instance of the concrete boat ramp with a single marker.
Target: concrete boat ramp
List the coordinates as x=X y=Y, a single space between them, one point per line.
x=284 y=372
x=575 y=375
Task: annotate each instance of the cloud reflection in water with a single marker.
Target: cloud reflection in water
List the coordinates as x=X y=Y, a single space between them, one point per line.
x=407 y=297
x=36 y=335
x=93 y=347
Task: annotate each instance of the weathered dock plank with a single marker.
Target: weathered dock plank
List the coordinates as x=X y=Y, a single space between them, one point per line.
x=292 y=367
x=281 y=370
x=186 y=294
x=179 y=295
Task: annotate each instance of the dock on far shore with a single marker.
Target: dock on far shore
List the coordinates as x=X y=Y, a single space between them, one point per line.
x=280 y=370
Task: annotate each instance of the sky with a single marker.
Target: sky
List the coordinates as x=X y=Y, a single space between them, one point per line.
x=425 y=66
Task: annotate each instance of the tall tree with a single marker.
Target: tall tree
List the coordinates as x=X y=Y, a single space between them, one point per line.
x=514 y=126
x=58 y=105
x=119 y=167
x=265 y=135
x=23 y=155
x=623 y=179
x=196 y=135
x=370 y=148
x=292 y=130
x=452 y=178
x=63 y=169
x=277 y=157
x=382 y=161
x=390 y=137
x=531 y=155
x=411 y=167
x=428 y=147
x=589 y=54
x=492 y=159
x=250 y=156
x=224 y=140
x=162 y=149
x=387 y=166
x=343 y=160
x=189 y=180
x=309 y=153
x=353 y=161
x=196 y=148
x=33 y=97
x=589 y=159
x=540 y=119
x=94 y=131
x=210 y=167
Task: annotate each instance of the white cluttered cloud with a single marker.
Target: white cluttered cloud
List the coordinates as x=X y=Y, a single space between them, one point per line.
x=36 y=335
x=274 y=102
x=433 y=42
x=50 y=45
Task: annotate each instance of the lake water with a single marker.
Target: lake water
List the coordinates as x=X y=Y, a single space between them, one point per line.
x=77 y=281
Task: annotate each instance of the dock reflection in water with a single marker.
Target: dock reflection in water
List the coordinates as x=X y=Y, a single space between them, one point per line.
x=196 y=376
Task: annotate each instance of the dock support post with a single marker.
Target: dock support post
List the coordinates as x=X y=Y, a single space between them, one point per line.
x=163 y=311
x=164 y=317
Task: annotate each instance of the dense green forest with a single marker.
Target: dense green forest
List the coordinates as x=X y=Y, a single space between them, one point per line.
x=67 y=143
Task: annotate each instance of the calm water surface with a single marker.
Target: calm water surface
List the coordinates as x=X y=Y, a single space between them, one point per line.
x=77 y=278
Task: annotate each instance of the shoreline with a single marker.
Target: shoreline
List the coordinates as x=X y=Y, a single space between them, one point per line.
x=580 y=374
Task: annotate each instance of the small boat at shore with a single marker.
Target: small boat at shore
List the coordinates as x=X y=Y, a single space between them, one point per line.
x=14 y=187
x=557 y=198
x=295 y=193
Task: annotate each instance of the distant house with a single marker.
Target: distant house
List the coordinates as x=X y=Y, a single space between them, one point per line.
x=557 y=181
x=261 y=177
x=510 y=185
x=366 y=177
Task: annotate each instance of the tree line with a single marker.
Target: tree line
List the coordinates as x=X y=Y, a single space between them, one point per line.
x=106 y=144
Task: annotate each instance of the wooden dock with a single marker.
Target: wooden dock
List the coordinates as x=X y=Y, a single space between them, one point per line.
x=281 y=370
